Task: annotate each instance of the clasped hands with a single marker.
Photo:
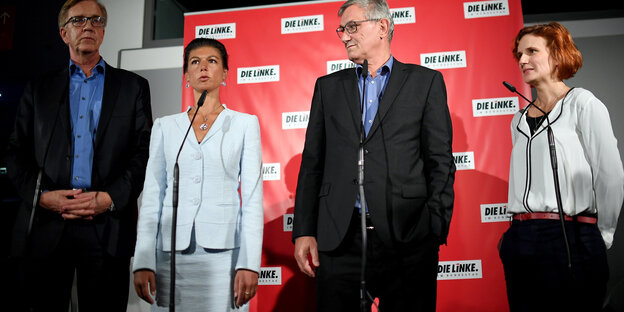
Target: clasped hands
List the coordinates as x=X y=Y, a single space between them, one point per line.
x=75 y=204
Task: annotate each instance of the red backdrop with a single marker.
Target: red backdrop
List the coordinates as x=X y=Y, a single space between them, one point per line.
x=277 y=52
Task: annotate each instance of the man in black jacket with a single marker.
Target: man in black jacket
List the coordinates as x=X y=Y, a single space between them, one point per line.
x=409 y=173
x=79 y=150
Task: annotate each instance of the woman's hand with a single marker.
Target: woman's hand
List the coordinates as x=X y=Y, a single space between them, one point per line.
x=145 y=284
x=245 y=286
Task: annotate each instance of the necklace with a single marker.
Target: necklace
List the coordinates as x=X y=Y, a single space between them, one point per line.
x=204 y=126
x=552 y=104
x=535 y=122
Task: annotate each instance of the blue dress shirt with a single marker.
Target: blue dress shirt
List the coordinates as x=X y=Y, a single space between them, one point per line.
x=375 y=88
x=85 y=105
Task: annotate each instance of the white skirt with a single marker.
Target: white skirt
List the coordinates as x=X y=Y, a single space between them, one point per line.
x=204 y=279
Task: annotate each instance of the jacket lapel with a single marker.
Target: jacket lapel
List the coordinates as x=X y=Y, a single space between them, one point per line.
x=398 y=76
x=58 y=107
x=352 y=98
x=183 y=122
x=109 y=100
x=217 y=124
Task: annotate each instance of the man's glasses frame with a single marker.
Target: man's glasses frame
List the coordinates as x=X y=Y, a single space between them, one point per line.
x=352 y=27
x=80 y=21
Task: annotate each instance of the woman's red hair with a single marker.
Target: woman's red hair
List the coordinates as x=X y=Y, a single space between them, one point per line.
x=560 y=44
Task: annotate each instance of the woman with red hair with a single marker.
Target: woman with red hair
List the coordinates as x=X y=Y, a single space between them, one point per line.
x=564 y=215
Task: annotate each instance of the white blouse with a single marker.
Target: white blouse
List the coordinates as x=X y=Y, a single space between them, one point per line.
x=591 y=176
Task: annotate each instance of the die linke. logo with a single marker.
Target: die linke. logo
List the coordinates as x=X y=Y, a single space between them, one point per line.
x=258 y=74
x=494 y=213
x=295 y=120
x=443 y=60
x=288 y=222
x=220 y=31
x=270 y=276
x=271 y=172
x=334 y=66
x=464 y=160
x=454 y=270
x=486 y=9
x=300 y=24
x=493 y=107
x=403 y=15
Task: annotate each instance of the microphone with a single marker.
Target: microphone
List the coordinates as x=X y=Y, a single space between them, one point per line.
x=202 y=98
x=553 y=163
x=364 y=75
x=363 y=292
x=551 y=138
x=174 y=218
x=176 y=169
x=511 y=88
x=365 y=69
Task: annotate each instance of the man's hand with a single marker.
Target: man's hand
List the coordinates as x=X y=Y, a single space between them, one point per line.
x=245 y=286
x=75 y=204
x=306 y=246
x=87 y=205
x=56 y=200
x=145 y=285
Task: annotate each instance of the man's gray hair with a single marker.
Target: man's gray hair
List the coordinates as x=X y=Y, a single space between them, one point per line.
x=375 y=9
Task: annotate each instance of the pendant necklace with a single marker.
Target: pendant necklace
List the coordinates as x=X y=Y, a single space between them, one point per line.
x=204 y=125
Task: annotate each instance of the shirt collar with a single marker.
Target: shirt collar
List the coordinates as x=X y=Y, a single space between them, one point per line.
x=100 y=67
x=386 y=68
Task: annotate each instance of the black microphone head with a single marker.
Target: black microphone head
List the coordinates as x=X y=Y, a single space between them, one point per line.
x=202 y=98
x=365 y=69
x=509 y=86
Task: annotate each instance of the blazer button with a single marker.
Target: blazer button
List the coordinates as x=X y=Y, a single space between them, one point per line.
x=355 y=181
x=67 y=157
x=365 y=152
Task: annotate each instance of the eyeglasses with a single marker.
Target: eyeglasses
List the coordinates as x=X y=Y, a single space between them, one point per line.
x=351 y=27
x=80 y=21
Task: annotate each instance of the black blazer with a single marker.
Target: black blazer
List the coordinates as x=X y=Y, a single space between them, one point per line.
x=409 y=168
x=120 y=156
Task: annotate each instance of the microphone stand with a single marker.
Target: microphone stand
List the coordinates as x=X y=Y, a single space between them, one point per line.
x=361 y=191
x=553 y=163
x=174 y=218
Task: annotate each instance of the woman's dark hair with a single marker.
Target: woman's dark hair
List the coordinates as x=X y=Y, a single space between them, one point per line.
x=205 y=42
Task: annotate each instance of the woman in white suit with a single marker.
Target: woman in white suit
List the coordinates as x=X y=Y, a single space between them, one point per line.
x=219 y=230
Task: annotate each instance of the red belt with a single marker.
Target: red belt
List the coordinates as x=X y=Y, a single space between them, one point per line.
x=552 y=216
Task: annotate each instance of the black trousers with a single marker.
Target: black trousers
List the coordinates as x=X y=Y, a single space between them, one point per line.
x=536 y=266
x=102 y=280
x=404 y=279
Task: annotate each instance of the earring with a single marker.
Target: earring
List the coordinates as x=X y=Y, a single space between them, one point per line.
x=187 y=84
x=223 y=83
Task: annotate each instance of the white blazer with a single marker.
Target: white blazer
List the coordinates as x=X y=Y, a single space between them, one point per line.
x=590 y=171
x=209 y=198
